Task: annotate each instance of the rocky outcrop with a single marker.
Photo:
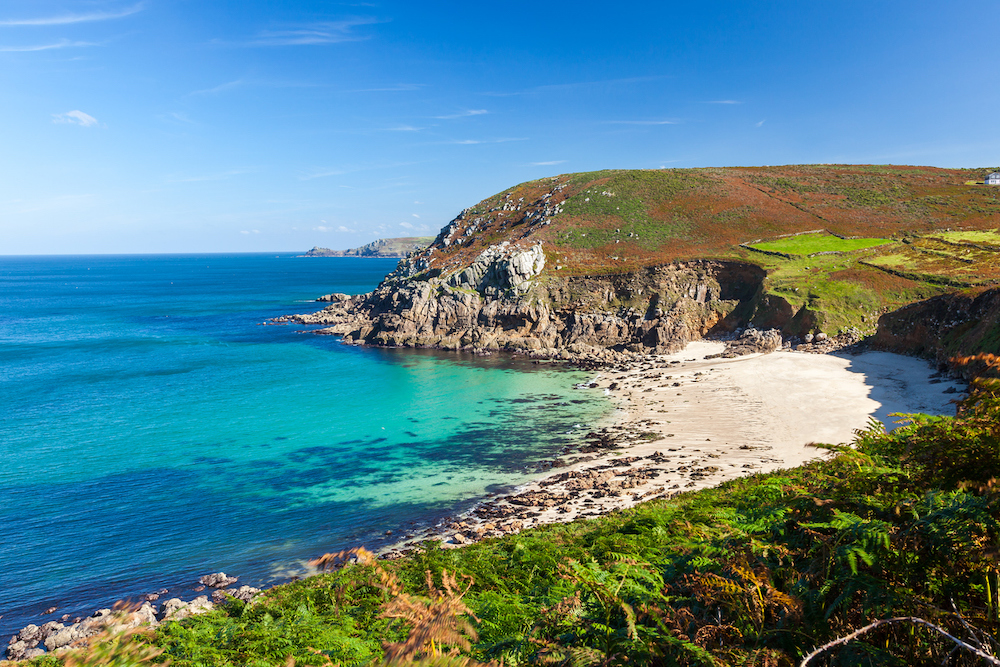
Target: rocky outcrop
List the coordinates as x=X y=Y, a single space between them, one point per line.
x=943 y=327
x=501 y=301
x=33 y=640
x=53 y=636
x=175 y=609
x=752 y=341
x=217 y=580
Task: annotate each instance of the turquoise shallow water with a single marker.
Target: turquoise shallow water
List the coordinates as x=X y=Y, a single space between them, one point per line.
x=151 y=431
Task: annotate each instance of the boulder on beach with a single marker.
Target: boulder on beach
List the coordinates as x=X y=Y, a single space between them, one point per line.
x=752 y=341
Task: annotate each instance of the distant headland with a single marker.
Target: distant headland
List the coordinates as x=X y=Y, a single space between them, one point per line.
x=397 y=247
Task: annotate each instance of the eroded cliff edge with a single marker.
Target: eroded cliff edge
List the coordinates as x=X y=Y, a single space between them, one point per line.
x=636 y=261
x=945 y=328
x=501 y=301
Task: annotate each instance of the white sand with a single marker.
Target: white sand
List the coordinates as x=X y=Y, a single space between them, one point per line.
x=783 y=400
x=725 y=418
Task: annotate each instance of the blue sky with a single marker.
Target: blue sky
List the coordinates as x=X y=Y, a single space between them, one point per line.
x=216 y=126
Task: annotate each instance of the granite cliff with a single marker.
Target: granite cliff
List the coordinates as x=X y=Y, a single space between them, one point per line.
x=612 y=263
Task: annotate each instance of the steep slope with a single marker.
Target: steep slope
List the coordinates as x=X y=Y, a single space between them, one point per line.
x=648 y=260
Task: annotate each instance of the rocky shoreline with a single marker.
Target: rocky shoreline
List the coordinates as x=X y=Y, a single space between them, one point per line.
x=684 y=421
x=696 y=419
x=33 y=640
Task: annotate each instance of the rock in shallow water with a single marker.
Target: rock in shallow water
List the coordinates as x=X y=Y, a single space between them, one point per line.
x=217 y=580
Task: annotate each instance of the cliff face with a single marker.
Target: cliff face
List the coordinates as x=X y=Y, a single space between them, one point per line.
x=500 y=302
x=645 y=261
x=944 y=327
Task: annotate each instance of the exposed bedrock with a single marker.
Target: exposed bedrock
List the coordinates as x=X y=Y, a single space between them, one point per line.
x=944 y=326
x=502 y=301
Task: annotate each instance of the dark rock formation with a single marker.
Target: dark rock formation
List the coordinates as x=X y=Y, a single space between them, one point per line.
x=500 y=301
x=944 y=326
x=752 y=341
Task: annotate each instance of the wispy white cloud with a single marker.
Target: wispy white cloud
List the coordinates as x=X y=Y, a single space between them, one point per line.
x=61 y=44
x=463 y=114
x=250 y=231
x=642 y=122
x=177 y=116
x=75 y=117
x=279 y=83
x=406 y=225
x=323 y=32
x=342 y=228
x=322 y=174
x=725 y=102
x=549 y=163
x=404 y=128
x=322 y=228
x=64 y=19
x=760 y=123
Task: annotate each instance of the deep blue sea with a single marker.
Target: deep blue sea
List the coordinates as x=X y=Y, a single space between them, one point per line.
x=152 y=431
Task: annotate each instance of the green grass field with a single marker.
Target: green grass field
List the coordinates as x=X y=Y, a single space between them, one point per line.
x=807 y=244
x=842 y=292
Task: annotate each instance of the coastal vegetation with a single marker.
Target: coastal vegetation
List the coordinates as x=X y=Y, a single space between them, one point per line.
x=843 y=244
x=809 y=244
x=758 y=571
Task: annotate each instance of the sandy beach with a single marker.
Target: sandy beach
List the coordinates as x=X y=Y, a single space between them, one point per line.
x=685 y=421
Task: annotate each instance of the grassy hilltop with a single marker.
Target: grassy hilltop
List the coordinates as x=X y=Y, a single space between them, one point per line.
x=869 y=238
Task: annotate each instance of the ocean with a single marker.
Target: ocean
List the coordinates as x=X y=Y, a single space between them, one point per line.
x=152 y=431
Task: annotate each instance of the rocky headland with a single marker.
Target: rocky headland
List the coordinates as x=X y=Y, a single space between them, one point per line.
x=596 y=267
x=386 y=248
x=628 y=273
